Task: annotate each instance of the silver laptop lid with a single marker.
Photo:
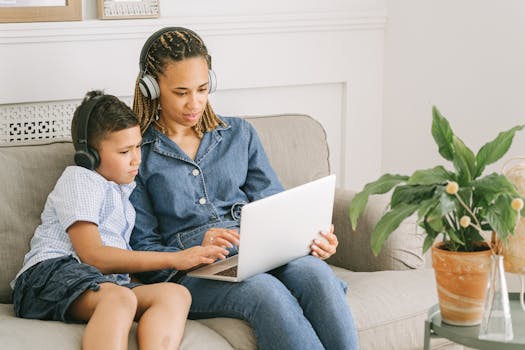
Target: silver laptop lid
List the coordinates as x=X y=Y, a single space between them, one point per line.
x=281 y=227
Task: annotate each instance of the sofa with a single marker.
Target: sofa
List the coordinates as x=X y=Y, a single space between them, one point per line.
x=389 y=295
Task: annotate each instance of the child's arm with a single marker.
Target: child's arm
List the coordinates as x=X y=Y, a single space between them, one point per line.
x=88 y=245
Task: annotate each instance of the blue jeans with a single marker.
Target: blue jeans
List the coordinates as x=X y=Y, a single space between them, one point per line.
x=301 y=305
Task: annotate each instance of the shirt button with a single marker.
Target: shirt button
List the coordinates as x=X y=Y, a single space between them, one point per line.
x=195 y=172
x=202 y=200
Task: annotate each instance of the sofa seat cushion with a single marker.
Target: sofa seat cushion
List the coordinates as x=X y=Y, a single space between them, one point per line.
x=386 y=305
x=390 y=307
x=18 y=333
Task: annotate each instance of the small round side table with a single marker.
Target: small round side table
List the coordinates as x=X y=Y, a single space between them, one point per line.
x=468 y=336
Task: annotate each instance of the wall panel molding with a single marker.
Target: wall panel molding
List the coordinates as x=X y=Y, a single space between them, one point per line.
x=328 y=64
x=95 y=30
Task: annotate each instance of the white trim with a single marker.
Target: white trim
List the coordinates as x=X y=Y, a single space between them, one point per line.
x=18 y=33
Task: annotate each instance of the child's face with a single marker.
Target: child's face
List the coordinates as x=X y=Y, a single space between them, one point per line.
x=184 y=91
x=120 y=155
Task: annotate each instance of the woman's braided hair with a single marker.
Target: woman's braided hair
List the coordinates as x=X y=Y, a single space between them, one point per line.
x=172 y=46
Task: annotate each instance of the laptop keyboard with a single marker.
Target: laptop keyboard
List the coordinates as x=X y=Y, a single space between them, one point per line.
x=230 y=272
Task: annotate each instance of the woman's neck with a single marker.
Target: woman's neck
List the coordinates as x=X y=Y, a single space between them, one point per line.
x=174 y=130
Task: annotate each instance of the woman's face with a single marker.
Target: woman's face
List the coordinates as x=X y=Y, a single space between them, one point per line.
x=183 y=91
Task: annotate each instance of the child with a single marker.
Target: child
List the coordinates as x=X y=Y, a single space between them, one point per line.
x=78 y=265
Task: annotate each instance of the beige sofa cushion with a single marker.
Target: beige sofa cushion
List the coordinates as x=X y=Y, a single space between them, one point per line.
x=403 y=250
x=19 y=333
x=28 y=175
x=296 y=146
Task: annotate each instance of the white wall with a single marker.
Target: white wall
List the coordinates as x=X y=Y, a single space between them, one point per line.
x=323 y=58
x=467 y=58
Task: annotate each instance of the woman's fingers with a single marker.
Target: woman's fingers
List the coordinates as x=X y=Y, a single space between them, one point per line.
x=325 y=249
x=215 y=252
x=221 y=237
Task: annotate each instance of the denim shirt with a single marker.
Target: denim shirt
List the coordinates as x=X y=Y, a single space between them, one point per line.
x=177 y=199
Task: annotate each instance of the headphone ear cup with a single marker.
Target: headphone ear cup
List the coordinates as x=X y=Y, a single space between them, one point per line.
x=84 y=159
x=212 y=81
x=95 y=156
x=149 y=87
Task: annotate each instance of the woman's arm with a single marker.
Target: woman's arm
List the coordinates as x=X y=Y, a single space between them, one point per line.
x=145 y=234
x=88 y=245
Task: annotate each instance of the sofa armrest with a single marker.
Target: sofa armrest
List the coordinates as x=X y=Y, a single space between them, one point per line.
x=401 y=251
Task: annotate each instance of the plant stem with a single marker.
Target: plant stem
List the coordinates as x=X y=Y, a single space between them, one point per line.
x=477 y=225
x=468 y=210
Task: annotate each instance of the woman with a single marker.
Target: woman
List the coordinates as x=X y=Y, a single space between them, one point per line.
x=197 y=171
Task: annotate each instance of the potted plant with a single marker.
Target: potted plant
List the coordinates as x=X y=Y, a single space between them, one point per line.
x=455 y=208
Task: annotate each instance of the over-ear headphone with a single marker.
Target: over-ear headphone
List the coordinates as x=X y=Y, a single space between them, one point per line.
x=147 y=83
x=86 y=156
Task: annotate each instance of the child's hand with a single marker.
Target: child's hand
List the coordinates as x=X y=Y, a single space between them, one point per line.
x=199 y=255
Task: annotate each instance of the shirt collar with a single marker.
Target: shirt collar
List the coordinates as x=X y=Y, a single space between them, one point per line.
x=127 y=188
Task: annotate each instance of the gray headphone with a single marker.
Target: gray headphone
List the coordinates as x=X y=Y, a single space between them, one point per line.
x=148 y=85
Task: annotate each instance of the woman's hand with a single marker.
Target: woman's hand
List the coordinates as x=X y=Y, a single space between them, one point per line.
x=221 y=237
x=198 y=255
x=325 y=249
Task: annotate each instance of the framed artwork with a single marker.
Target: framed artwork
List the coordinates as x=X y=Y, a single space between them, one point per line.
x=127 y=9
x=12 y=11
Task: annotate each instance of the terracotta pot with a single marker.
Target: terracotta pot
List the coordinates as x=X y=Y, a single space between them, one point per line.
x=461 y=279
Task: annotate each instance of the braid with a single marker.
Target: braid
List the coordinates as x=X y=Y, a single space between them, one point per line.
x=172 y=46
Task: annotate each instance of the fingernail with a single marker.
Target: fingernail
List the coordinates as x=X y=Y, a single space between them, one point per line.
x=317 y=241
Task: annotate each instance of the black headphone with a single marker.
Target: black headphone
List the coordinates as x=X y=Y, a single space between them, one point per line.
x=147 y=83
x=86 y=156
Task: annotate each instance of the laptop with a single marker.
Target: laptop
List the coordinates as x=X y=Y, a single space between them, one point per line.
x=275 y=230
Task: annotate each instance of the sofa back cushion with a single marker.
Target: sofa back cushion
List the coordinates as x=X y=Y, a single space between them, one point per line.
x=296 y=146
x=28 y=175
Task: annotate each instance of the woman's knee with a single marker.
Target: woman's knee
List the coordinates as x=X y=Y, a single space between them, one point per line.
x=310 y=268
x=264 y=291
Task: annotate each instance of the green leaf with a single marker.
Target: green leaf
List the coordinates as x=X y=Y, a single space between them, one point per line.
x=411 y=194
x=435 y=222
x=491 y=186
x=388 y=223
x=464 y=160
x=447 y=204
x=442 y=134
x=502 y=217
x=382 y=185
x=495 y=149
x=426 y=206
x=428 y=243
x=451 y=232
x=436 y=175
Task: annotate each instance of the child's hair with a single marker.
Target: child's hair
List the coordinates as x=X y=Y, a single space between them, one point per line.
x=109 y=115
x=172 y=46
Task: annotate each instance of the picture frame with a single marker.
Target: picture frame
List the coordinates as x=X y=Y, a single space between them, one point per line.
x=127 y=9
x=71 y=11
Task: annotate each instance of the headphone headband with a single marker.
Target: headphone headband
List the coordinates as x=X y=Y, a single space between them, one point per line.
x=153 y=37
x=85 y=156
x=148 y=84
